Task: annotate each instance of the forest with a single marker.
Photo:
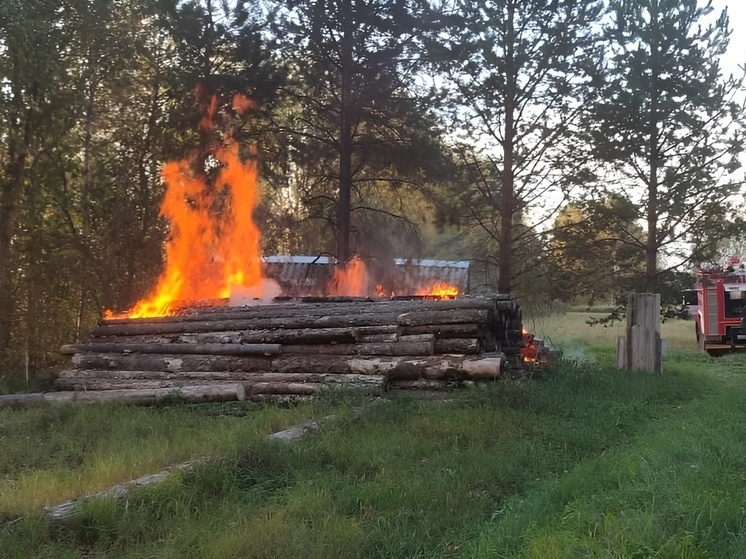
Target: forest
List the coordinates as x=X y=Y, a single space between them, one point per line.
x=576 y=149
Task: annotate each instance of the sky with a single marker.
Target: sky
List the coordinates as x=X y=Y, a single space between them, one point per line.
x=736 y=54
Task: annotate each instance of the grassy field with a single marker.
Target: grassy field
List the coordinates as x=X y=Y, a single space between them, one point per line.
x=583 y=462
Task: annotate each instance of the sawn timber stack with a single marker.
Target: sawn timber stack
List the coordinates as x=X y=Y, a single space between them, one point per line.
x=294 y=347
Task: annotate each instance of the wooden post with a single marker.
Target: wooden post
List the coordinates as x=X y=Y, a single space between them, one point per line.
x=640 y=348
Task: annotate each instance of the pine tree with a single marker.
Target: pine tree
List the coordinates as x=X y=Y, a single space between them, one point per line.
x=668 y=122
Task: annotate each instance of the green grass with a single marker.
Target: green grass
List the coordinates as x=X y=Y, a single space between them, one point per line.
x=570 y=331
x=56 y=453
x=586 y=461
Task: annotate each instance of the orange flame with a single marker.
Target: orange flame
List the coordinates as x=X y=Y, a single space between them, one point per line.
x=351 y=279
x=381 y=291
x=214 y=245
x=440 y=289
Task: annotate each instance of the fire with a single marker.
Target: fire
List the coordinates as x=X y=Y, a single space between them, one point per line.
x=351 y=279
x=440 y=289
x=380 y=291
x=214 y=247
x=534 y=352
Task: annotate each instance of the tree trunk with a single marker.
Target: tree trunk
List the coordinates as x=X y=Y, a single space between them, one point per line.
x=344 y=204
x=651 y=244
x=507 y=198
x=11 y=187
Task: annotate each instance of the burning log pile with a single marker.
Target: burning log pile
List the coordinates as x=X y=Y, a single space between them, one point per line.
x=294 y=347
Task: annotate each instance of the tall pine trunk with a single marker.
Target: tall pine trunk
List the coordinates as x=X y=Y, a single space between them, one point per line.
x=10 y=194
x=651 y=245
x=344 y=203
x=507 y=199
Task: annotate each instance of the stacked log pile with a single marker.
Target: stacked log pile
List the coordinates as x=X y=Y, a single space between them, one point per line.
x=295 y=347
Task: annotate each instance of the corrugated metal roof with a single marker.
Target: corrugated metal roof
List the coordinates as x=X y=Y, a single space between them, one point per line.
x=301 y=276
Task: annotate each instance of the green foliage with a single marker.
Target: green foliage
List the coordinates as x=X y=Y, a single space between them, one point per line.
x=596 y=251
x=666 y=122
x=514 y=72
x=359 y=142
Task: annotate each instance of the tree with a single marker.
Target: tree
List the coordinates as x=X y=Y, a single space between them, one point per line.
x=515 y=70
x=354 y=125
x=594 y=251
x=33 y=99
x=670 y=124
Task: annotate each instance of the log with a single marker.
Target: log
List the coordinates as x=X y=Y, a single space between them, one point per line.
x=441 y=331
x=323 y=335
x=375 y=315
x=21 y=400
x=445 y=366
x=455 y=367
x=191 y=394
x=456 y=316
x=121 y=384
x=394 y=348
x=302 y=389
x=183 y=349
x=458 y=345
x=136 y=328
x=172 y=363
x=417 y=338
x=277 y=336
x=108 y=380
x=484 y=369
x=324 y=307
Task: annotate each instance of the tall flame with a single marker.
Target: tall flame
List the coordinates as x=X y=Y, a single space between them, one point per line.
x=350 y=279
x=214 y=245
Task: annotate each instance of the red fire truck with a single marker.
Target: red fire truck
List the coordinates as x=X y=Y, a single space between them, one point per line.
x=720 y=307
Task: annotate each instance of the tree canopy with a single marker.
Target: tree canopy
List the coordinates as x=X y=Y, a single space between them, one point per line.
x=533 y=136
x=670 y=124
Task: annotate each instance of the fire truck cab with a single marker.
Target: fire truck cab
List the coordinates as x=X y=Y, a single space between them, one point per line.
x=720 y=312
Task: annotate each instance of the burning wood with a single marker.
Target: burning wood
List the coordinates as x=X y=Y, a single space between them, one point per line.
x=534 y=351
x=289 y=347
x=295 y=347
